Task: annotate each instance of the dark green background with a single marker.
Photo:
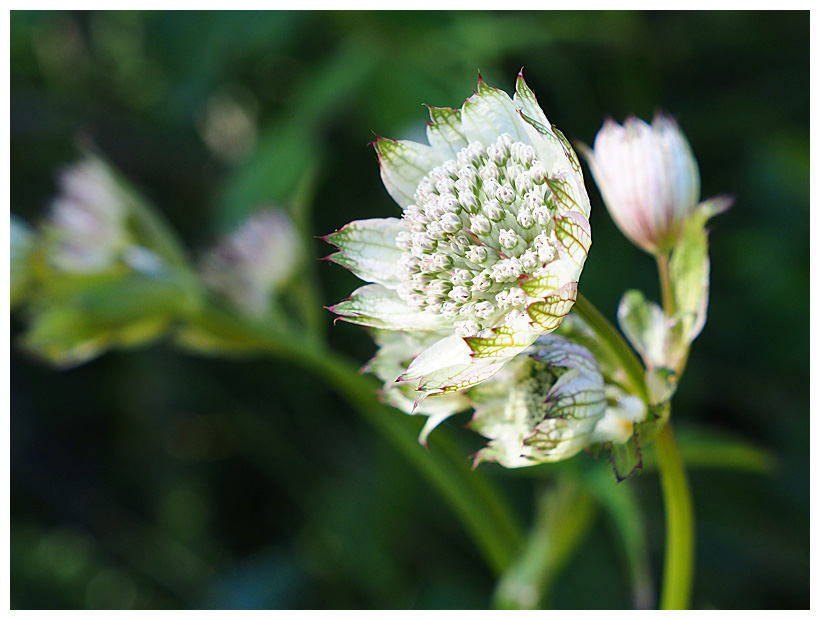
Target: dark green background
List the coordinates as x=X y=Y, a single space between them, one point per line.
x=157 y=479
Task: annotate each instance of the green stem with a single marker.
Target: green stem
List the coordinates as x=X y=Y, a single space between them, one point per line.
x=678 y=564
x=667 y=295
x=679 y=561
x=627 y=519
x=615 y=344
x=563 y=518
x=677 y=497
x=475 y=500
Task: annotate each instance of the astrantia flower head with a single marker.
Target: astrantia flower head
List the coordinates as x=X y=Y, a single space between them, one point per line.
x=648 y=178
x=492 y=239
x=549 y=406
x=257 y=259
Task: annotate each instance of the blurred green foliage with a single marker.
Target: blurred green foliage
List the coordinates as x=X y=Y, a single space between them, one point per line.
x=157 y=479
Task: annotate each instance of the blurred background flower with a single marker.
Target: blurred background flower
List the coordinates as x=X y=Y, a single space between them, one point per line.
x=152 y=478
x=256 y=261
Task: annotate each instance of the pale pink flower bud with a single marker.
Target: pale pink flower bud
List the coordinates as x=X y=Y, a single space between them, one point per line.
x=648 y=178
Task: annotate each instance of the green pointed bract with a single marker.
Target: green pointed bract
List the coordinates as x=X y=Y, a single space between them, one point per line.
x=444 y=130
x=551 y=279
x=396 y=350
x=490 y=113
x=663 y=341
x=562 y=193
x=658 y=339
x=450 y=366
x=626 y=458
x=549 y=313
x=506 y=342
x=368 y=249
x=574 y=237
x=525 y=98
x=689 y=267
x=571 y=155
x=374 y=305
x=491 y=243
x=645 y=326
x=403 y=166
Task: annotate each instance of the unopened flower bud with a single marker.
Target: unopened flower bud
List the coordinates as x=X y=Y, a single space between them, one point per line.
x=648 y=178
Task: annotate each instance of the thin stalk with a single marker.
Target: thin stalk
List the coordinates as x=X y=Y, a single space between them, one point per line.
x=667 y=295
x=679 y=561
x=627 y=519
x=677 y=496
x=563 y=518
x=476 y=502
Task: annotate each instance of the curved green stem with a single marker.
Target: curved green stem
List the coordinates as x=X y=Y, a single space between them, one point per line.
x=621 y=503
x=475 y=500
x=679 y=561
x=564 y=515
x=667 y=295
x=615 y=343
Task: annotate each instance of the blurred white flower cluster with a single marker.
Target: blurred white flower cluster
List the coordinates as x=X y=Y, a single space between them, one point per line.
x=251 y=265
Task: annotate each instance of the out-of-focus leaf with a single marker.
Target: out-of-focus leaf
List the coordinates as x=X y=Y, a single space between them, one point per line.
x=565 y=514
x=21 y=240
x=628 y=521
x=709 y=449
x=291 y=148
x=79 y=320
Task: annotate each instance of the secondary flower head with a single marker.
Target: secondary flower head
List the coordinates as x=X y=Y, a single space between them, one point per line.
x=256 y=260
x=549 y=406
x=87 y=229
x=648 y=178
x=492 y=239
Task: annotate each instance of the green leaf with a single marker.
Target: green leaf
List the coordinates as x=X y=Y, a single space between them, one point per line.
x=627 y=518
x=78 y=319
x=644 y=325
x=710 y=449
x=21 y=240
x=689 y=268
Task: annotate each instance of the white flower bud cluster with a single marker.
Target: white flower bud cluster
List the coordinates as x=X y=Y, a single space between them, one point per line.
x=256 y=260
x=87 y=226
x=480 y=224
